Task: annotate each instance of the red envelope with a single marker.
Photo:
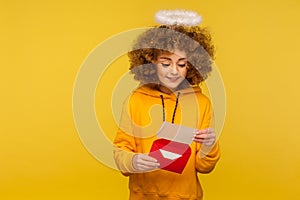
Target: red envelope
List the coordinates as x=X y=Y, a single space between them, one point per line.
x=171 y=155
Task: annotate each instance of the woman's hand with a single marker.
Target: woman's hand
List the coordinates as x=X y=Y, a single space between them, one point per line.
x=144 y=163
x=205 y=136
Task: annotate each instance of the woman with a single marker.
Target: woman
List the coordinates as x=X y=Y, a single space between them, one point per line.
x=169 y=61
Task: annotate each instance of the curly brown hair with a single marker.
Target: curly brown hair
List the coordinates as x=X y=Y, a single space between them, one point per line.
x=195 y=41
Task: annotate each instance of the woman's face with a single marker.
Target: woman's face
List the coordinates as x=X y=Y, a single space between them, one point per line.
x=172 y=68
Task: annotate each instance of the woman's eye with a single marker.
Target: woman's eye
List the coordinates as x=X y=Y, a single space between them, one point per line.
x=165 y=64
x=182 y=65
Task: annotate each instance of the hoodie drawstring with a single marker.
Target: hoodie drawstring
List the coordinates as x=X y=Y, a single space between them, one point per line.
x=163 y=107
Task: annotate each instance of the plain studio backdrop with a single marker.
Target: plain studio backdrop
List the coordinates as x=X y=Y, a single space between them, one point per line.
x=44 y=43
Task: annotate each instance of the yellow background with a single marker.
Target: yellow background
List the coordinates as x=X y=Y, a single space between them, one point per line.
x=43 y=44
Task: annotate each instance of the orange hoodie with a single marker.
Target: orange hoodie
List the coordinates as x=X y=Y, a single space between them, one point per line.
x=141 y=119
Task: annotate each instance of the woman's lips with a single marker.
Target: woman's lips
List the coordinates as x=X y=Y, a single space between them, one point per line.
x=173 y=79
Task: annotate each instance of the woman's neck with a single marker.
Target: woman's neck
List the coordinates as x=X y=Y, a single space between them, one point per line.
x=164 y=89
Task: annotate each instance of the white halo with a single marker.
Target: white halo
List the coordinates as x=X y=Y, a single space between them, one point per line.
x=178 y=17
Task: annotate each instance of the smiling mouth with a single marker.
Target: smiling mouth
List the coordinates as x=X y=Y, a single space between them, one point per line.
x=172 y=78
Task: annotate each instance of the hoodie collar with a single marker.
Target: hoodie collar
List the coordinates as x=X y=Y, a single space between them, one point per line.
x=152 y=90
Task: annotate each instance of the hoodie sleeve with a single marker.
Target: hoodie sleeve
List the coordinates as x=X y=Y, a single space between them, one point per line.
x=206 y=156
x=124 y=143
x=124 y=148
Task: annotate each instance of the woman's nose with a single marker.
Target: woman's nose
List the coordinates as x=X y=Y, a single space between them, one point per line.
x=174 y=69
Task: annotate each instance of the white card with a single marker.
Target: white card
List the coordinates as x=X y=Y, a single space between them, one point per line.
x=176 y=133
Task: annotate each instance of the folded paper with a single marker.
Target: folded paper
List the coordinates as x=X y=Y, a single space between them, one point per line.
x=169 y=155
